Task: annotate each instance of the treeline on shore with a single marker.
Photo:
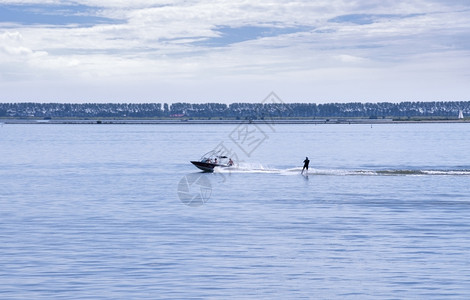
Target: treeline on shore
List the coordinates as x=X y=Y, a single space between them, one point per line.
x=449 y=109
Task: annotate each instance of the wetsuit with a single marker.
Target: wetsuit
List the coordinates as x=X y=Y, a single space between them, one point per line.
x=306 y=162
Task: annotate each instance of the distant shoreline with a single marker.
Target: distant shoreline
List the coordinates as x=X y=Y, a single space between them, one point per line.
x=271 y=109
x=227 y=121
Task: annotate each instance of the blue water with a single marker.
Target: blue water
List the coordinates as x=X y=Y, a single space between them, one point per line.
x=106 y=212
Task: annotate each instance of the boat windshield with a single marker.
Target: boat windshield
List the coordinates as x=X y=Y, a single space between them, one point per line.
x=215 y=157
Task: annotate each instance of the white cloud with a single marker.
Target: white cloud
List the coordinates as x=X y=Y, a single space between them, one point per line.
x=12 y=48
x=153 y=49
x=350 y=58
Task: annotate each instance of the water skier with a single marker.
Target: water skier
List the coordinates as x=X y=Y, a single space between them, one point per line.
x=306 y=162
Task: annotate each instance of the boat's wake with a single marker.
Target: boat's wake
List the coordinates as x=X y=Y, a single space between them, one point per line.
x=258 y=168
x=390 y=172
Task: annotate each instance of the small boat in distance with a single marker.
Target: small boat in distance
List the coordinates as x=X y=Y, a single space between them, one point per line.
x=212 y=159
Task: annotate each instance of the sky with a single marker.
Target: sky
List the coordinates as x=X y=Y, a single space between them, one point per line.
x=318 y=51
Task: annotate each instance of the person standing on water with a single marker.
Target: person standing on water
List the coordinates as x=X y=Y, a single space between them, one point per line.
x=306 y=162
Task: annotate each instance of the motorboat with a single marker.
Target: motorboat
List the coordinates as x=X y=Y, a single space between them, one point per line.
x=212 y=159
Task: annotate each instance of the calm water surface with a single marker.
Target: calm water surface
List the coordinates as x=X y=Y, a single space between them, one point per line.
x=100 y=212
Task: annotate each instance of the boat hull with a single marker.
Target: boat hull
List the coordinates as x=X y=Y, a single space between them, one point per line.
x=206 y=167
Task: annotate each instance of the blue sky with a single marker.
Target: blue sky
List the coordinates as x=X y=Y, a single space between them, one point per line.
x=233 y=51
x=53 y=14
